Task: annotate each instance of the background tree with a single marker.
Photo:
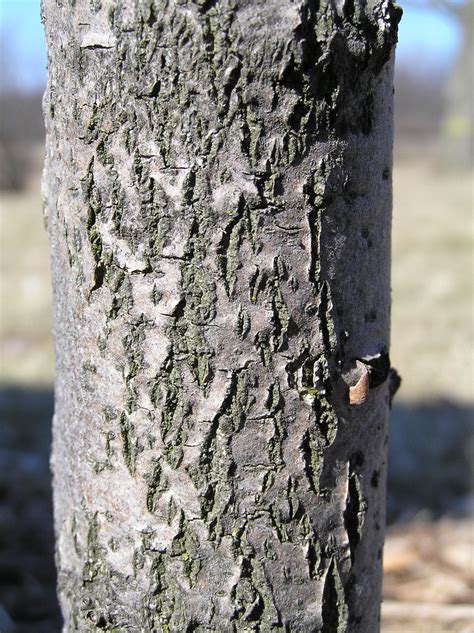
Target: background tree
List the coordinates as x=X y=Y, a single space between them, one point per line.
x=457 y=134
x=218 y=188
x=21 y=122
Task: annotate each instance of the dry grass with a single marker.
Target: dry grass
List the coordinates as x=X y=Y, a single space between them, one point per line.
x=428 y=578
x=25 y=293
x=433 y=265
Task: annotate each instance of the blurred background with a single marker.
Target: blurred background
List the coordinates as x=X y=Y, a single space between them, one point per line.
x=429 y=552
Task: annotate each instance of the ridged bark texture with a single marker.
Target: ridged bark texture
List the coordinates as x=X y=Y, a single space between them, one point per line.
x=218 y=192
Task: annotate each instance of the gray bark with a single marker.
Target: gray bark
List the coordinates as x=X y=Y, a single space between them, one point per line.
x=218 y=192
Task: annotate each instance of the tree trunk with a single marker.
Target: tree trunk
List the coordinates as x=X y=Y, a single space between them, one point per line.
x=218 y=188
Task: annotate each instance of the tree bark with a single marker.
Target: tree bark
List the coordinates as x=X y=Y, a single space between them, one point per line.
x=218 y=193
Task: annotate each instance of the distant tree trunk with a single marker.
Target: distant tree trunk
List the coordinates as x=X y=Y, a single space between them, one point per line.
x=457 y=134
x=218 y=187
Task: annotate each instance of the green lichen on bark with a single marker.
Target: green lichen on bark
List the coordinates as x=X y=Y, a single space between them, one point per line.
x=211 y=168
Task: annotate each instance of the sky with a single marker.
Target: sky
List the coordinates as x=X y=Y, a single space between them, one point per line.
x=430 y=37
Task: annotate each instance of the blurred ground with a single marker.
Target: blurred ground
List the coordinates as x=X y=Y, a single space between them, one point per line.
x=429 y=553
x=25 y=294
x=428 y=583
